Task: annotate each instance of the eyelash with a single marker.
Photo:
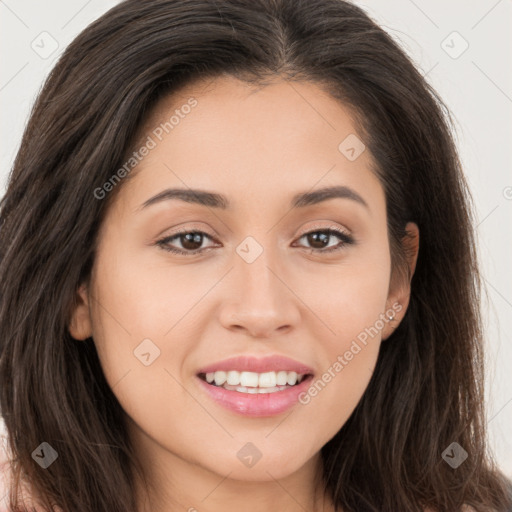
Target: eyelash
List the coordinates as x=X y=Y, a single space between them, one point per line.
x=344 y=237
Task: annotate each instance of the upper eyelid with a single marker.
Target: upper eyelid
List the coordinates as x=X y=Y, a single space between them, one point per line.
x=310 y=230
x=325 y=228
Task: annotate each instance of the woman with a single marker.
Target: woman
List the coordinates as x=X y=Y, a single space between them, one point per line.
x=238 y=272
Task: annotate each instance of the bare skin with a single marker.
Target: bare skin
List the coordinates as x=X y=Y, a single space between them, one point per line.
x=258 y=147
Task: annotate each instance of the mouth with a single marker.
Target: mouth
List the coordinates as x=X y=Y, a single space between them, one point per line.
x=253 y=382
x=254 y=386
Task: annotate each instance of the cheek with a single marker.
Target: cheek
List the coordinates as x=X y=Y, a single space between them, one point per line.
x=350 y=357
x=152 y=295
x=352 y=306
x=141 y=364
x=138 y=299
x=140 y=312
x=349 y=299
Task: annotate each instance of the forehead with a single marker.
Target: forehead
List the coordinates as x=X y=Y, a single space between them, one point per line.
x=255 y=141
x=278 y=104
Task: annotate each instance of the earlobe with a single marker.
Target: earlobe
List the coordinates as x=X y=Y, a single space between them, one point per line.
x=80 y=326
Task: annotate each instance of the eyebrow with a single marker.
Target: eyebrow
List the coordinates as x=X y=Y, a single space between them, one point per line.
x=215 y=200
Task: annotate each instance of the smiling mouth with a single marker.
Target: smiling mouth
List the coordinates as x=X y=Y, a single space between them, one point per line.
x=254 y=383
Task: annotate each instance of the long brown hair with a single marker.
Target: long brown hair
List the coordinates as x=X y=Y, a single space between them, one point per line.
x=427 y=388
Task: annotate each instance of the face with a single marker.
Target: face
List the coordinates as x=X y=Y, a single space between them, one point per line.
x=259 y=274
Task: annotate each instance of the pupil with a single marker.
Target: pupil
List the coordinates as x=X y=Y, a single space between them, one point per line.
x=191 y=238
x=322 y=238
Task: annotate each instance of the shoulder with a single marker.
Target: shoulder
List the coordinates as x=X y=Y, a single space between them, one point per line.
x=4 y=473
x=6 y=480
x=465 y=508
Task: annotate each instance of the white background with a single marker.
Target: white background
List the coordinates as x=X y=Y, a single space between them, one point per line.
x=476 y=85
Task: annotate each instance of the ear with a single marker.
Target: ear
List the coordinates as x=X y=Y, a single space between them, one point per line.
x=80 y=326
x=400 y=291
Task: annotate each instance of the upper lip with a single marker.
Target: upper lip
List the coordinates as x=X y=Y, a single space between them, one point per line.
x=258 y=365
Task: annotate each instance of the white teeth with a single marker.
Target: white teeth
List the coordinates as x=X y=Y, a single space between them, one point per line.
x=268 y=380
x=220 y=378
x=251 y=381
x=253 y=391
x=292 y=378
x=233 y=378
x=282 y=378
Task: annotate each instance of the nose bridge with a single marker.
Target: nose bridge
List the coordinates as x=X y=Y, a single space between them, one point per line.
x=256 y=268
x=264 y=303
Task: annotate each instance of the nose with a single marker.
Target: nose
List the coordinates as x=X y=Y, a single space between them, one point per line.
x=260 y=301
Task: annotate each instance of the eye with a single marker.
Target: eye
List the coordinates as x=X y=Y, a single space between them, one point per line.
x=320 y=240
x=191 y=241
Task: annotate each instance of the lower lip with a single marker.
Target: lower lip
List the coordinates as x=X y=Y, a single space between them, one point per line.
x=256 y=405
